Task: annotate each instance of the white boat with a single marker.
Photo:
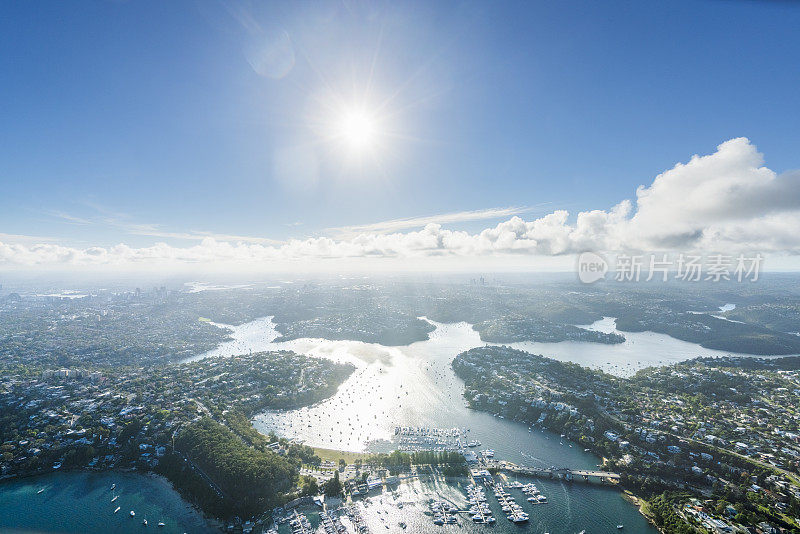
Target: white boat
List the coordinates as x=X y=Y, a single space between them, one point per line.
x=144 y=523
x=117 y=509
x=133 y=513
x=38 y=492
x=114 y=485
x=620 y=527
x=115 y=498
x=160 y=523
x=518 y=517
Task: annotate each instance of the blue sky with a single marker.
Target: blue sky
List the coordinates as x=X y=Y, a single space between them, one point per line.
x=139 y=122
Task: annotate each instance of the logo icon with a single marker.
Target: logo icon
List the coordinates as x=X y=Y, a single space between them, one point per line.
x=591 y=267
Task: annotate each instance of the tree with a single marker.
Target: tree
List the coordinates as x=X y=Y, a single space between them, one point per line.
x=310 y=486
x=333 y=488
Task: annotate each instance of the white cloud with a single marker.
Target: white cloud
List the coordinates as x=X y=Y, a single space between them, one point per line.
x=395 y=225
x=710 y=199
x=727 y=202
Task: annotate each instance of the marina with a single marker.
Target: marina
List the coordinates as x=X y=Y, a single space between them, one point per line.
x=462 y=504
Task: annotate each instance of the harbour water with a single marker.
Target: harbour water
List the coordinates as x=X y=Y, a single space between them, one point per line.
x=81 y=502
x=570 y=509
x=640 y=350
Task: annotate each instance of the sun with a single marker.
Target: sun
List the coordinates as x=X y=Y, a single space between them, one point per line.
x=357 y=132
x=358 y=129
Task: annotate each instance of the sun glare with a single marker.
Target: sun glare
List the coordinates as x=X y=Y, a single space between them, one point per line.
x=358 y=130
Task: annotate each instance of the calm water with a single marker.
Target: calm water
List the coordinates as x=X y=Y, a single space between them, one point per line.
x=81 y=502
x=640 y=350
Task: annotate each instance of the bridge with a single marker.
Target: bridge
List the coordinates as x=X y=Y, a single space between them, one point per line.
x=561 y=473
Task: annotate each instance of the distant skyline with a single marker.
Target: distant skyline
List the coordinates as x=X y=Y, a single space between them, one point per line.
x=378 y=135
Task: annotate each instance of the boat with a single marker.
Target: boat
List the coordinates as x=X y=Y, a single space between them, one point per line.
x=115 y=498
x=519 y=517
x=113 y=486
x=161 y=524
x=133 y=513
x=620 y=527
x=40 y=491
x=144 y=523
x=116 y=509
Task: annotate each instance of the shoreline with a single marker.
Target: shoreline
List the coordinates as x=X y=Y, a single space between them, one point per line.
x=640 y=504
x=210 y=521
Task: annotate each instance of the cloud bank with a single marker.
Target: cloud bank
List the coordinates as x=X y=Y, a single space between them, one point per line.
x=726 y=202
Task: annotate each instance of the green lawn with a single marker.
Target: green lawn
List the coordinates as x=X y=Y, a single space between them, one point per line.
x=334 y=455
